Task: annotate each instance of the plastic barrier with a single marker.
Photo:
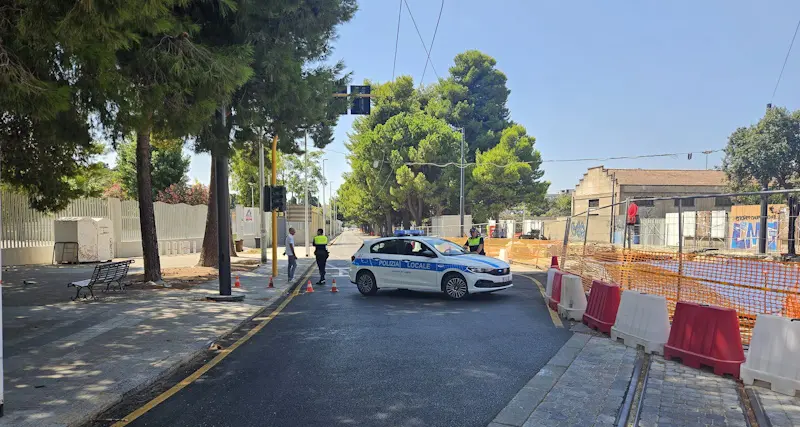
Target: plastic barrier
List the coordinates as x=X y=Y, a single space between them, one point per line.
x=548 y=290
x=503 y=256
x=642 y=320
x=601 y=309
x=706 y=335
x=555 y=293
x=573 y=300
x=774 y=354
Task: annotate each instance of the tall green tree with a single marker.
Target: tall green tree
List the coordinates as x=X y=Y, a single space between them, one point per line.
x=169 y=166
x=507 y=175
x=286 y=96
x=764 y=155
x=54 y=63
x=473 y=97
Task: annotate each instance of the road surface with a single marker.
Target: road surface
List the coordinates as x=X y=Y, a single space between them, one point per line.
x=398 y=358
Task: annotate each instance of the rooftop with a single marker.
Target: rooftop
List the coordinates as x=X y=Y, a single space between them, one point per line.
x=668 y=177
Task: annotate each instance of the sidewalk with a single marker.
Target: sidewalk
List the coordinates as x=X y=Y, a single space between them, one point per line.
x=588 y=383
x=66 y=362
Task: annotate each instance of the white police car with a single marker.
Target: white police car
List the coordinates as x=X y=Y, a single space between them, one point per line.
x=425 y=264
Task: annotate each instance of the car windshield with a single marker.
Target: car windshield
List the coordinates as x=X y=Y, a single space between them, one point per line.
x=446 y=247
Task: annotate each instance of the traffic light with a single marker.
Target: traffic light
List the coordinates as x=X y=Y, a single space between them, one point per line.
x=267 y=200
x=360 y=104
x=278 y=198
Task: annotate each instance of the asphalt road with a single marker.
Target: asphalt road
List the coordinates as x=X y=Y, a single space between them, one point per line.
x=398 y=358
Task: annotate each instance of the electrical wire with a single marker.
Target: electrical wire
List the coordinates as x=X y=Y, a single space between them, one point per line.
x=397 y=38
x=414 y=21
x=643 y=156
x=432 y=41
x=785 y=60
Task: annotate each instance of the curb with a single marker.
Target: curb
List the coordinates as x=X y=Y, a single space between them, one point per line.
x=90 y=416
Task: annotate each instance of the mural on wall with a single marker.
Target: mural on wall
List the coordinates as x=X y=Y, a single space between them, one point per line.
x=745 y=235
x=577 y=230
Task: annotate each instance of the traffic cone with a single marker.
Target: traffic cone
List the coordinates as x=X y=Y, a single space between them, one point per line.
x=333 y=287
x=309 y=288
x=554 y=262
x=237 y=284
x=271 y=285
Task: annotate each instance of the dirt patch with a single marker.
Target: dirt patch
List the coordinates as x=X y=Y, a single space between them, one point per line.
x=186 y=277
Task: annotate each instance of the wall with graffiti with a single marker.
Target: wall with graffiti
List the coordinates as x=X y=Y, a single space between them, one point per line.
x=746 y=226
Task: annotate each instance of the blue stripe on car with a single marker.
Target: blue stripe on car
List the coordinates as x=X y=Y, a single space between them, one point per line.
x=413 y=265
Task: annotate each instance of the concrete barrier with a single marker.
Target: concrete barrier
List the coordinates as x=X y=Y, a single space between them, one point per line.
x=548 y=290
x=573 y=300
x=642 y=320
x=774 y=354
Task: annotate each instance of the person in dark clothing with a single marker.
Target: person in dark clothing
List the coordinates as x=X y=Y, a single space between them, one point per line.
x=321 y=253
x=475 y=242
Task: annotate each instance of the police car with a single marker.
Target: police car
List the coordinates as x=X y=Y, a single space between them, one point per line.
x=425 y=264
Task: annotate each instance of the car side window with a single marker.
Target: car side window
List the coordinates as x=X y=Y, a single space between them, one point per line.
x=418 y=249
x=384 y=248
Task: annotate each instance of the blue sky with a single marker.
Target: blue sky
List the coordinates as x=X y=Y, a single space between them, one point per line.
x=593 y=79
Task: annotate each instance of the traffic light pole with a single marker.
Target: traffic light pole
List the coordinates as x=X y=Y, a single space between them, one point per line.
x=274 y=211
x=305 y=218
x=263 y=216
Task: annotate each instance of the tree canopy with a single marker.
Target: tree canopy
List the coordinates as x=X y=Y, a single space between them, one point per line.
x=766 y=154
x=170 y=167
x=405 y=155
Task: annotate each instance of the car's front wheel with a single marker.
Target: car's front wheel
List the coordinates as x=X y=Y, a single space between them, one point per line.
x=455 y=286
x=365 y=282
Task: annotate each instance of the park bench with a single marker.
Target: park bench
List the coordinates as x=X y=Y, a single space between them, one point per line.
x=109 y=273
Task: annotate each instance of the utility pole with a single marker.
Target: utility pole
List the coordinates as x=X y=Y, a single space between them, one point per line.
x=322 y=202
x=2 y=392
x=461 y=198
x=305 y=218
x=223 y=215
x=263 y=215
x=274 y=211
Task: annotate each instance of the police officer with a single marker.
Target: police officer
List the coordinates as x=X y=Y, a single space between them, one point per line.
x=321 y=253
x=475 y=242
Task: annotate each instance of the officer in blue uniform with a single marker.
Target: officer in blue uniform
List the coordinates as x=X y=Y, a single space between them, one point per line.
x=321 y=253
x=475 y=242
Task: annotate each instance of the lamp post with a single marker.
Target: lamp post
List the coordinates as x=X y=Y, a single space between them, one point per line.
x=322 y=201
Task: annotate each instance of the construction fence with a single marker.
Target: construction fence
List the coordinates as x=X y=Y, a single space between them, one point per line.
x=697 y=266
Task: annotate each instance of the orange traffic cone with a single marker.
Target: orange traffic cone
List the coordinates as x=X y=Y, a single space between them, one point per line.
x=237 y=284
x=309 y=288
x=333 y=287
x=271 y=285
x=554 y=262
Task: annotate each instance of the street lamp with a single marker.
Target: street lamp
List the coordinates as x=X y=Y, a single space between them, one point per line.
x=324 y=181
x=461 y=189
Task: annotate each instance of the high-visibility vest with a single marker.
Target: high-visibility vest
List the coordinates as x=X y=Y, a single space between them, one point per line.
x=474 y=241
x=320 y=240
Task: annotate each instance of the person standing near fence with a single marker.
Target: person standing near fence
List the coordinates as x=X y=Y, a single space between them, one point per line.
x=321 y=253
x=291 y=254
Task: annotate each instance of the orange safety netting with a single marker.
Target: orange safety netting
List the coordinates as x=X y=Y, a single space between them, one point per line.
x=748 y=285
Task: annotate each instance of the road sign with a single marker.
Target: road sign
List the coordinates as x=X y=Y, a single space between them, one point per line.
x=361 y=105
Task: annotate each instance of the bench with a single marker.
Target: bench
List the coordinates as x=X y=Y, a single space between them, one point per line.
x=109 y=273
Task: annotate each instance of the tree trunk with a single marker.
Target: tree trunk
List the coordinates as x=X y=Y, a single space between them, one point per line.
x=208 y=253
x=406 y=220
x=147 y=217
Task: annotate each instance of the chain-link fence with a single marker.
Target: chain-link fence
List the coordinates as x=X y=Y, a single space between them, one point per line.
x=717 y=257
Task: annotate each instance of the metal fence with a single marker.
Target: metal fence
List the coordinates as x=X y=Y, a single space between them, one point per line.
x=173 y=222
x=24 y=227
x=699 y=259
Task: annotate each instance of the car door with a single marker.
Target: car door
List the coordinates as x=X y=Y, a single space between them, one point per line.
x=419 y=265
x=385 y=263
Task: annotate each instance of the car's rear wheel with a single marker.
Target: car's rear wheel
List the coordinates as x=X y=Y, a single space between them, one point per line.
x=365 y=281
x=455 y=286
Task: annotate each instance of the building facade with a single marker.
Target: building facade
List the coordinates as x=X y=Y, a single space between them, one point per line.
x=600 y=187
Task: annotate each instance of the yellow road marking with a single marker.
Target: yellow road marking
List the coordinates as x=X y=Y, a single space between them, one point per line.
x=205 y=368
x=553 y=315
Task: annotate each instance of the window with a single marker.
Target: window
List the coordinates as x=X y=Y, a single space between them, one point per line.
x=414 y=248
x=723 y=201
x=387 y=247
x=686 y=202
x=594 y=203
x=644 y=203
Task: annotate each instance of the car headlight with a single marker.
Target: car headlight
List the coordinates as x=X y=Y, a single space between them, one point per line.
x=479 y=269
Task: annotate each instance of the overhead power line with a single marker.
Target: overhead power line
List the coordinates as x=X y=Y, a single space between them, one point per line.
x=414 y=21
x=397 y=38
x=435 y=30
x=643 y=156
x=785 y=60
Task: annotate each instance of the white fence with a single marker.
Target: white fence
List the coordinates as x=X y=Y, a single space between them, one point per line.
x=173 y=222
